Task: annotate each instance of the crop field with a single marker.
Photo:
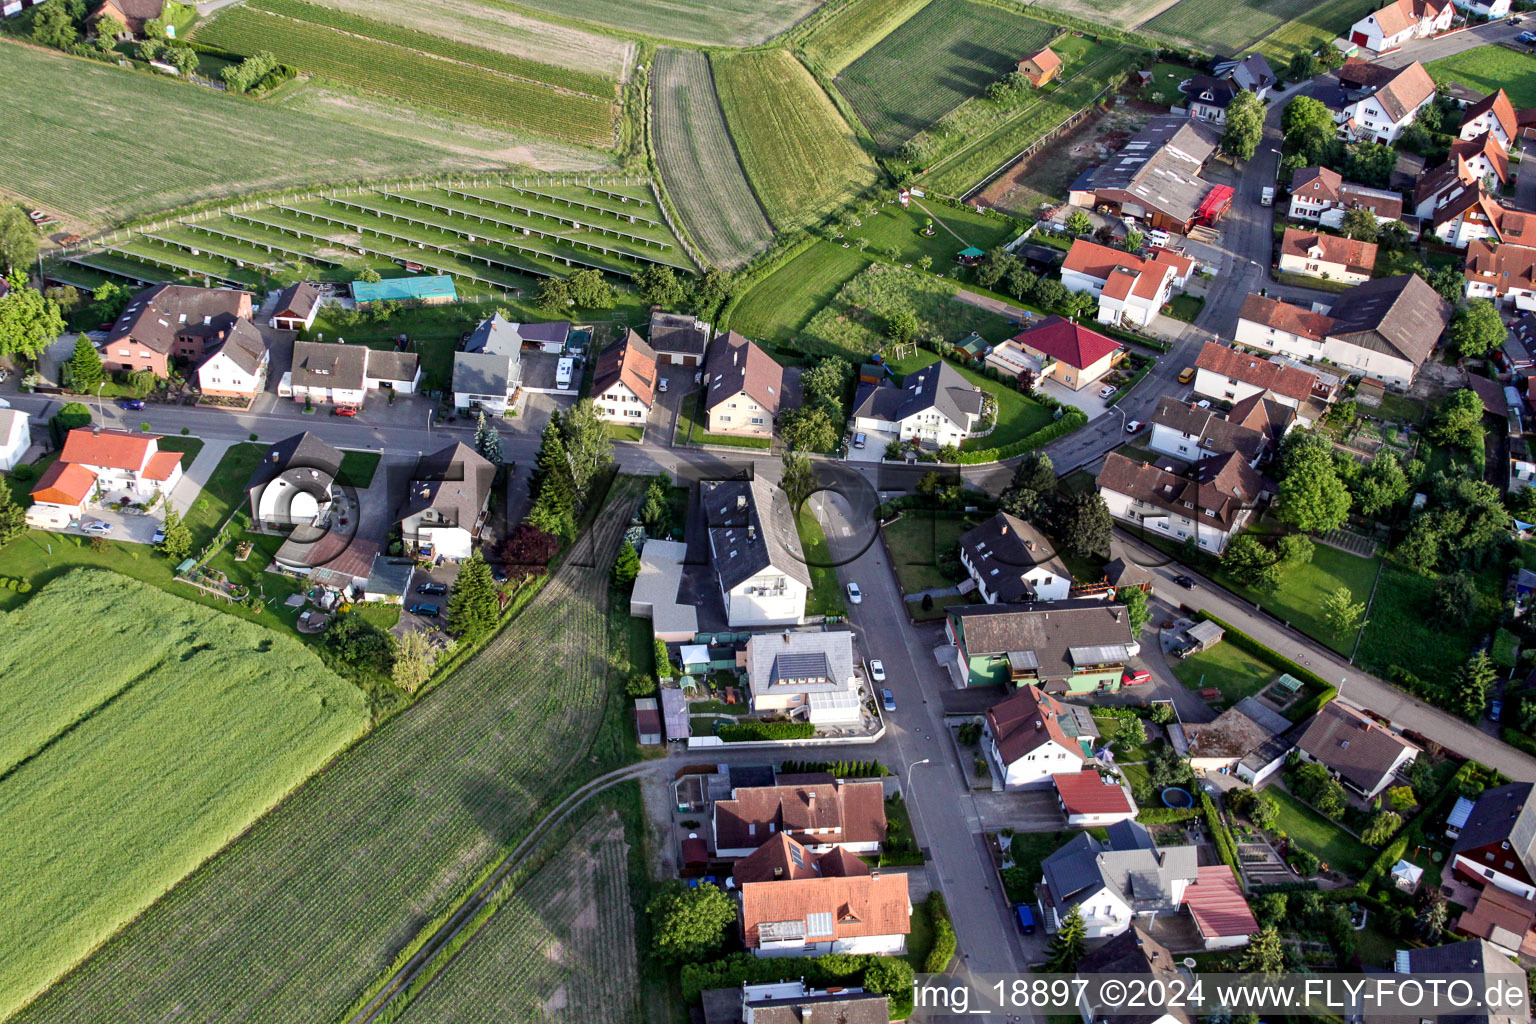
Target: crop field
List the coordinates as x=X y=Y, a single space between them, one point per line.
x=834 y=44
x=711 y=22
x=799 y=154
x=950 y=51
x=137 y=126
x=1488 y=69
x=412 y=76
x=297 y=917
x=490 y=24
x=778 y=306
x=563 y=942
x=1120 y=13
x=123 y=773
x=698 y=161
x=1225 y=26
x=1308 y=31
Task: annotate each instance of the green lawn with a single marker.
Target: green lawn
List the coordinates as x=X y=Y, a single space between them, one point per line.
x=779 y=305
x=1109 y=729
x=625 y=431
x=224 y=491
x=384 y=616
x=1186 y=307
x=690 y=429
x=1336 y=848
x=1017 y=415
x=1302 y=590
x=1236 y=673
x=1401 y=631
x=917 y=541
x=357 y=468
x=1164 y=88
x=893 y=226
x=1489 y=68
x=826 y=594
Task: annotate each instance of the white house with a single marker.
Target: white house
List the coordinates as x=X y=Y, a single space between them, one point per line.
x=755 y=550
x=1493 y=113
x=820 y=815
x=1501 y=273
x=1401 y=21
x=326 y=373
x=1185 y=431
x=1025 y=742
x=446 y=502
x=1123 y=880
x=97 y=466
x=1381 y=115
x=15 y=438
x=1091 y=800
x=1224 y=374
x=816 y=916
x=743 y=387
x=624 y=381
x=1012 y=562
x=1364 y=755
x=484 y=380
x=1487 y=8
x=1322 y=196
x=934 y=407
x=296 y=308
x=1497 y=843
x=237 y=368
x=805 y=675
x=1327 y=257
x=1210 y=501
x=1129 y=288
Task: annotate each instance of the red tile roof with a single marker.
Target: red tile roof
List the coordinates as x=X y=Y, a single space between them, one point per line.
x=115 y=449
x=161 y=465
x=858 y=906
x=1258 y=371
x=783 y=859
x=1401 y=14
x=1087 y=792
x=754 y=814
x=1027 y=721
x=1100 y=261
x=1503 y=112
x=1501 y=266
x=1350 y=253
x=1486 y=145
x=1072 y=343
x=629 y=361
x=64 y=483
x=1046 y=60
x=1217 y=904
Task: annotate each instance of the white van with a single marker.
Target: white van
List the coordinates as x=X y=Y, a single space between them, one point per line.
x=564 y=370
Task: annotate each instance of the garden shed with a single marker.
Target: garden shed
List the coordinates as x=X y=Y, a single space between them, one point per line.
x=1205 y=635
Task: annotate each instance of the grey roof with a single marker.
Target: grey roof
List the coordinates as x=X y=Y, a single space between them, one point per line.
x=1358 y=749
x=1130 y=835
x=838 y=1008
x=1048 y=629
x=480 y=373
x=1211 y=430
x=1073 y=867
x=1005 y=547
x=1252 y=72
x=1268 y=720
x=299 y=299
x=155 y=316
x=751 y=529
x=392 y=364
x=1474 y=956
x=305 y=450
x=1205 y=632
x=937 y=386
x=679 y=333
x=454 y=481
x=1400 y=316
x=674 y=716
x=553 y=331
x=1141 y=875
x=318 y=364
x=1127 y=574
x=389 y=576
x=496 y=335
x=1272 y=749
x=1503 y=814
x=1210 y=90
x=243 y=344
x=800 y=662
x=1160 y=165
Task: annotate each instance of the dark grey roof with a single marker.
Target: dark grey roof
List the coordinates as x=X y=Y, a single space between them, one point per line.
x=1160 y=165
x=304 y=450
x=810 y=665
x=1503 y=814
x=1358 y=749
x=679 y=333
x=1211 y=430
x=1005 y=547
x=318 y=364
x=1252 y=72
x=1141 y=875
x=1127 y=574
x=455 y=482
x=392 y=364
x=390 y=576
x=837 y=1008
x=480 y=373
x=556 y=330
x=1210 y=90
x=155 y=316
x=1129 y=835
x=299 y=299
x=1073 y=867
x=1476 y=957
x=1049 y=629
x=751 y=528
x=1400 y=316
x=495 y=335
x=243 y=344
x=937 y=386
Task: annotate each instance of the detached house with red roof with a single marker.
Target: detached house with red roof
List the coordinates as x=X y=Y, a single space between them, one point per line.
x=1491 y=114
x=1401 y=21
x=743 y=387
x=1066 y=352
x=1040 y=67
x=1500 y=273
x=1091 y=800
x=1026 y=744
x=1129 y=288
x=1391 y=103
x=97 y=467
x=1326 y=257
x=869 y=913
x=1322 y=195
x=624 y=381
x=1224 y=374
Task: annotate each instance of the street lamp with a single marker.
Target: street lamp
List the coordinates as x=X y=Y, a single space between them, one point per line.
x=907 y=792
x=100 y=416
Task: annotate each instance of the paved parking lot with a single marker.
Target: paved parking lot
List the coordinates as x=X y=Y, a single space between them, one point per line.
x=410 y=622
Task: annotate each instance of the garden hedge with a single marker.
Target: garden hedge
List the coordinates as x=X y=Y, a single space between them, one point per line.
x=943 y=949
x=1325 y=691
x=1070 y=421
x=1166 y=815
x=1226 y=847
x=743 y=732
x=835 y=968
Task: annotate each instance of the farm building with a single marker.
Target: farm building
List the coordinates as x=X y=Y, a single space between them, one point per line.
x=132 y=14
x=325 y=373
x=296 y=308
x=1040 y=67
x=1156 y=177
x=1400 y=21
x=429 y=291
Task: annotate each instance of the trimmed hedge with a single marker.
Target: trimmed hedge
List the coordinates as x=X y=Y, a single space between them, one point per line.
x=943 y=950
x=841 y=769
x=833 y=969
x=1259 y=890
x=1071 y=420
x=1166 y=815
x=1226 y=848
x=1518 y=740
x=1325 y=691
x=742 y=732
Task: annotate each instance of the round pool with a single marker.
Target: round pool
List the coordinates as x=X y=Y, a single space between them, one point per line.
x=1173 y=796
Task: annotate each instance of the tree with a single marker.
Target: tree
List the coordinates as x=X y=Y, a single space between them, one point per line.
x=1446 y=280
x=108 y=29
x=1434 y=911
x=184 y=60
x=529 y=548
x=689 y=924
x=487 y=440
x=149 y=50
x=1264 y=811
x=1133 y=240
x=659 y=286
x=1381 y=485
x=1069 y=945
x=810 y=429
x=1132 y=732
x=1476 y=328
x=84 y=367
x=473 y=607
x=1245 y=126
x=1136 y=611
x=1371 y=164
x=1473 y=681
x=178 y=539
x=1265 y=953
x=1313 y=783
x=1086 y=526
x=53 y=26
x=903 y=326
x=1034 y=481
x=1341 y=613
x=553 y=487
x=656 y=510
x=1250 y=563
x=627 y=565
x=640 y=685
x=799 y=479
x=13 y=518
x=1079 y=224
x=1310 y=131
x=1453 y=598
x=591 y=290
x=1382 y=827
x=554 y=295
x=412 y=663
x=1313 y=498
x=1303 y=66
x=18 y=238
x=1162 y=714
x=154 y=28
x=1394 y=235
x=1294 y=550
x=1360 y=224
x=588 y=448
x=369 y=276
x=28 y=322
x=824 y=384
x=1459 y=421
x=713 y=291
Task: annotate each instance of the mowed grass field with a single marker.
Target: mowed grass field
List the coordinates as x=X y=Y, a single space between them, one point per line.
x=416 y=68
x=1488 y=69
x=1308 y=31
x=1225 y=26
x=778 y=306
x=833 y=44
x=948 y=52
x=305 y=911
x=711 y=22
x=171 y=728
x=799 y=154
x=93 y=141
x=698 y=161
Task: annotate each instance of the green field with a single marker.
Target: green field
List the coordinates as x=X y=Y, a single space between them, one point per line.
x=1303 y=588
x=1488 y=69
x=1225 y=26
x=150 y=741
x=950 y=51
x=1236 y=673
x=144 y=121
x=400 y=69
x=698 y=161
x=331 y=885
x=1331 y=845
x=780 y=304
x=954 y=230
x=1309 y=31
x=857 y=26
x=712 y=22
x=1402 y=631
x=799 y=154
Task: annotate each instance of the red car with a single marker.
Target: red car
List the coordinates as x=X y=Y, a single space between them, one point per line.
x=344 y=410
x=1135 y=677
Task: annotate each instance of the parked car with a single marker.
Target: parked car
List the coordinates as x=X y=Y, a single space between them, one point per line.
x=1187 y=582
x=887 y=699
x=1526 y=37
x=877 y=670
x=344 y=410
x=663 y=384
x=1135 y=677
x=432 y=588
x=855 y=595
x=1107 y=390
x=159 y=537
x=698 y=377
x=429 y=610
x=1267 y=197
x=97 y=527
x=1186 y=375
x=1026 y=918
x=1204 y=403
x=1495 y=709
x=499 y=574
x=859 y=440
x=1134 y=426
x=130 y=403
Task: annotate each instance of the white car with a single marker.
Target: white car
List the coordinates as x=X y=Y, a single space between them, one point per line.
x=97 y=527
x=1107 y=390
x=855 y=595
x=663 y=384
x=877 y=671
x=1133 y=426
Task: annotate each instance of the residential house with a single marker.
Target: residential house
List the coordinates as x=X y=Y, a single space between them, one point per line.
x=294 y=485
x=1219 y=909
x=1247 y=739
x=1487 y=8
x=171 y=321
x=755 y=549
x=1504 y=919
x=624 y=381
x=1115 y=883
x=1186 y=431
x=1012 y=562
x=1091 y=800
x=1061 y=350
x=1251 y=73
x=1381 y=114
x=496 y=335
x=1078 y=646
x=236 y=364
x=1329 y=257
x=1469 y=212
x=1482 y=967
x=447 y=502
x=1498 y=841
x=816 y=811
x=1208 y=96
x=1485 y=157
x=1401 y=21
x=1133 y=952
x=1129 y=288
x=809 y=675
x=1210 y=500
x=934 y=407
x=678 y=339
x=1438 y=187
x=1384 y=328
x=326 y=373
x=1224 y=374
x=1156 y=177
x=1030 y=737
x=1364 y=755
x=15 y=438
x=815 y=916
x=1503 y=273
x=428 y=291
x=1493 y=113
x=743 y=387
x=1040 y=67
x=97 y=466
x=1322 y=195
x=793 y=1002
x=485 y=381
x=296 y=308
x=132 y=14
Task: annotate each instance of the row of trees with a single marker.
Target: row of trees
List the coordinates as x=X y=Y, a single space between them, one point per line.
x=1081 y=523
x=573 y=451
x=703 y=295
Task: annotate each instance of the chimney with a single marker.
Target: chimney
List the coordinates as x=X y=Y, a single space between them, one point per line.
x=778 y=873
x=1005 y=530
x=741 y=501
x=810 y=798
x=786 y=636
x=751 y=532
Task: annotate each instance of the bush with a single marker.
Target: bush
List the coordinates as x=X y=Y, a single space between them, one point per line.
x=1225 y=847
x=1304 y=863
x=24 y=472
x=846 y=969
x=943 y=950
x=1070 y=421
x=1166 y=815
x=743 y=732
